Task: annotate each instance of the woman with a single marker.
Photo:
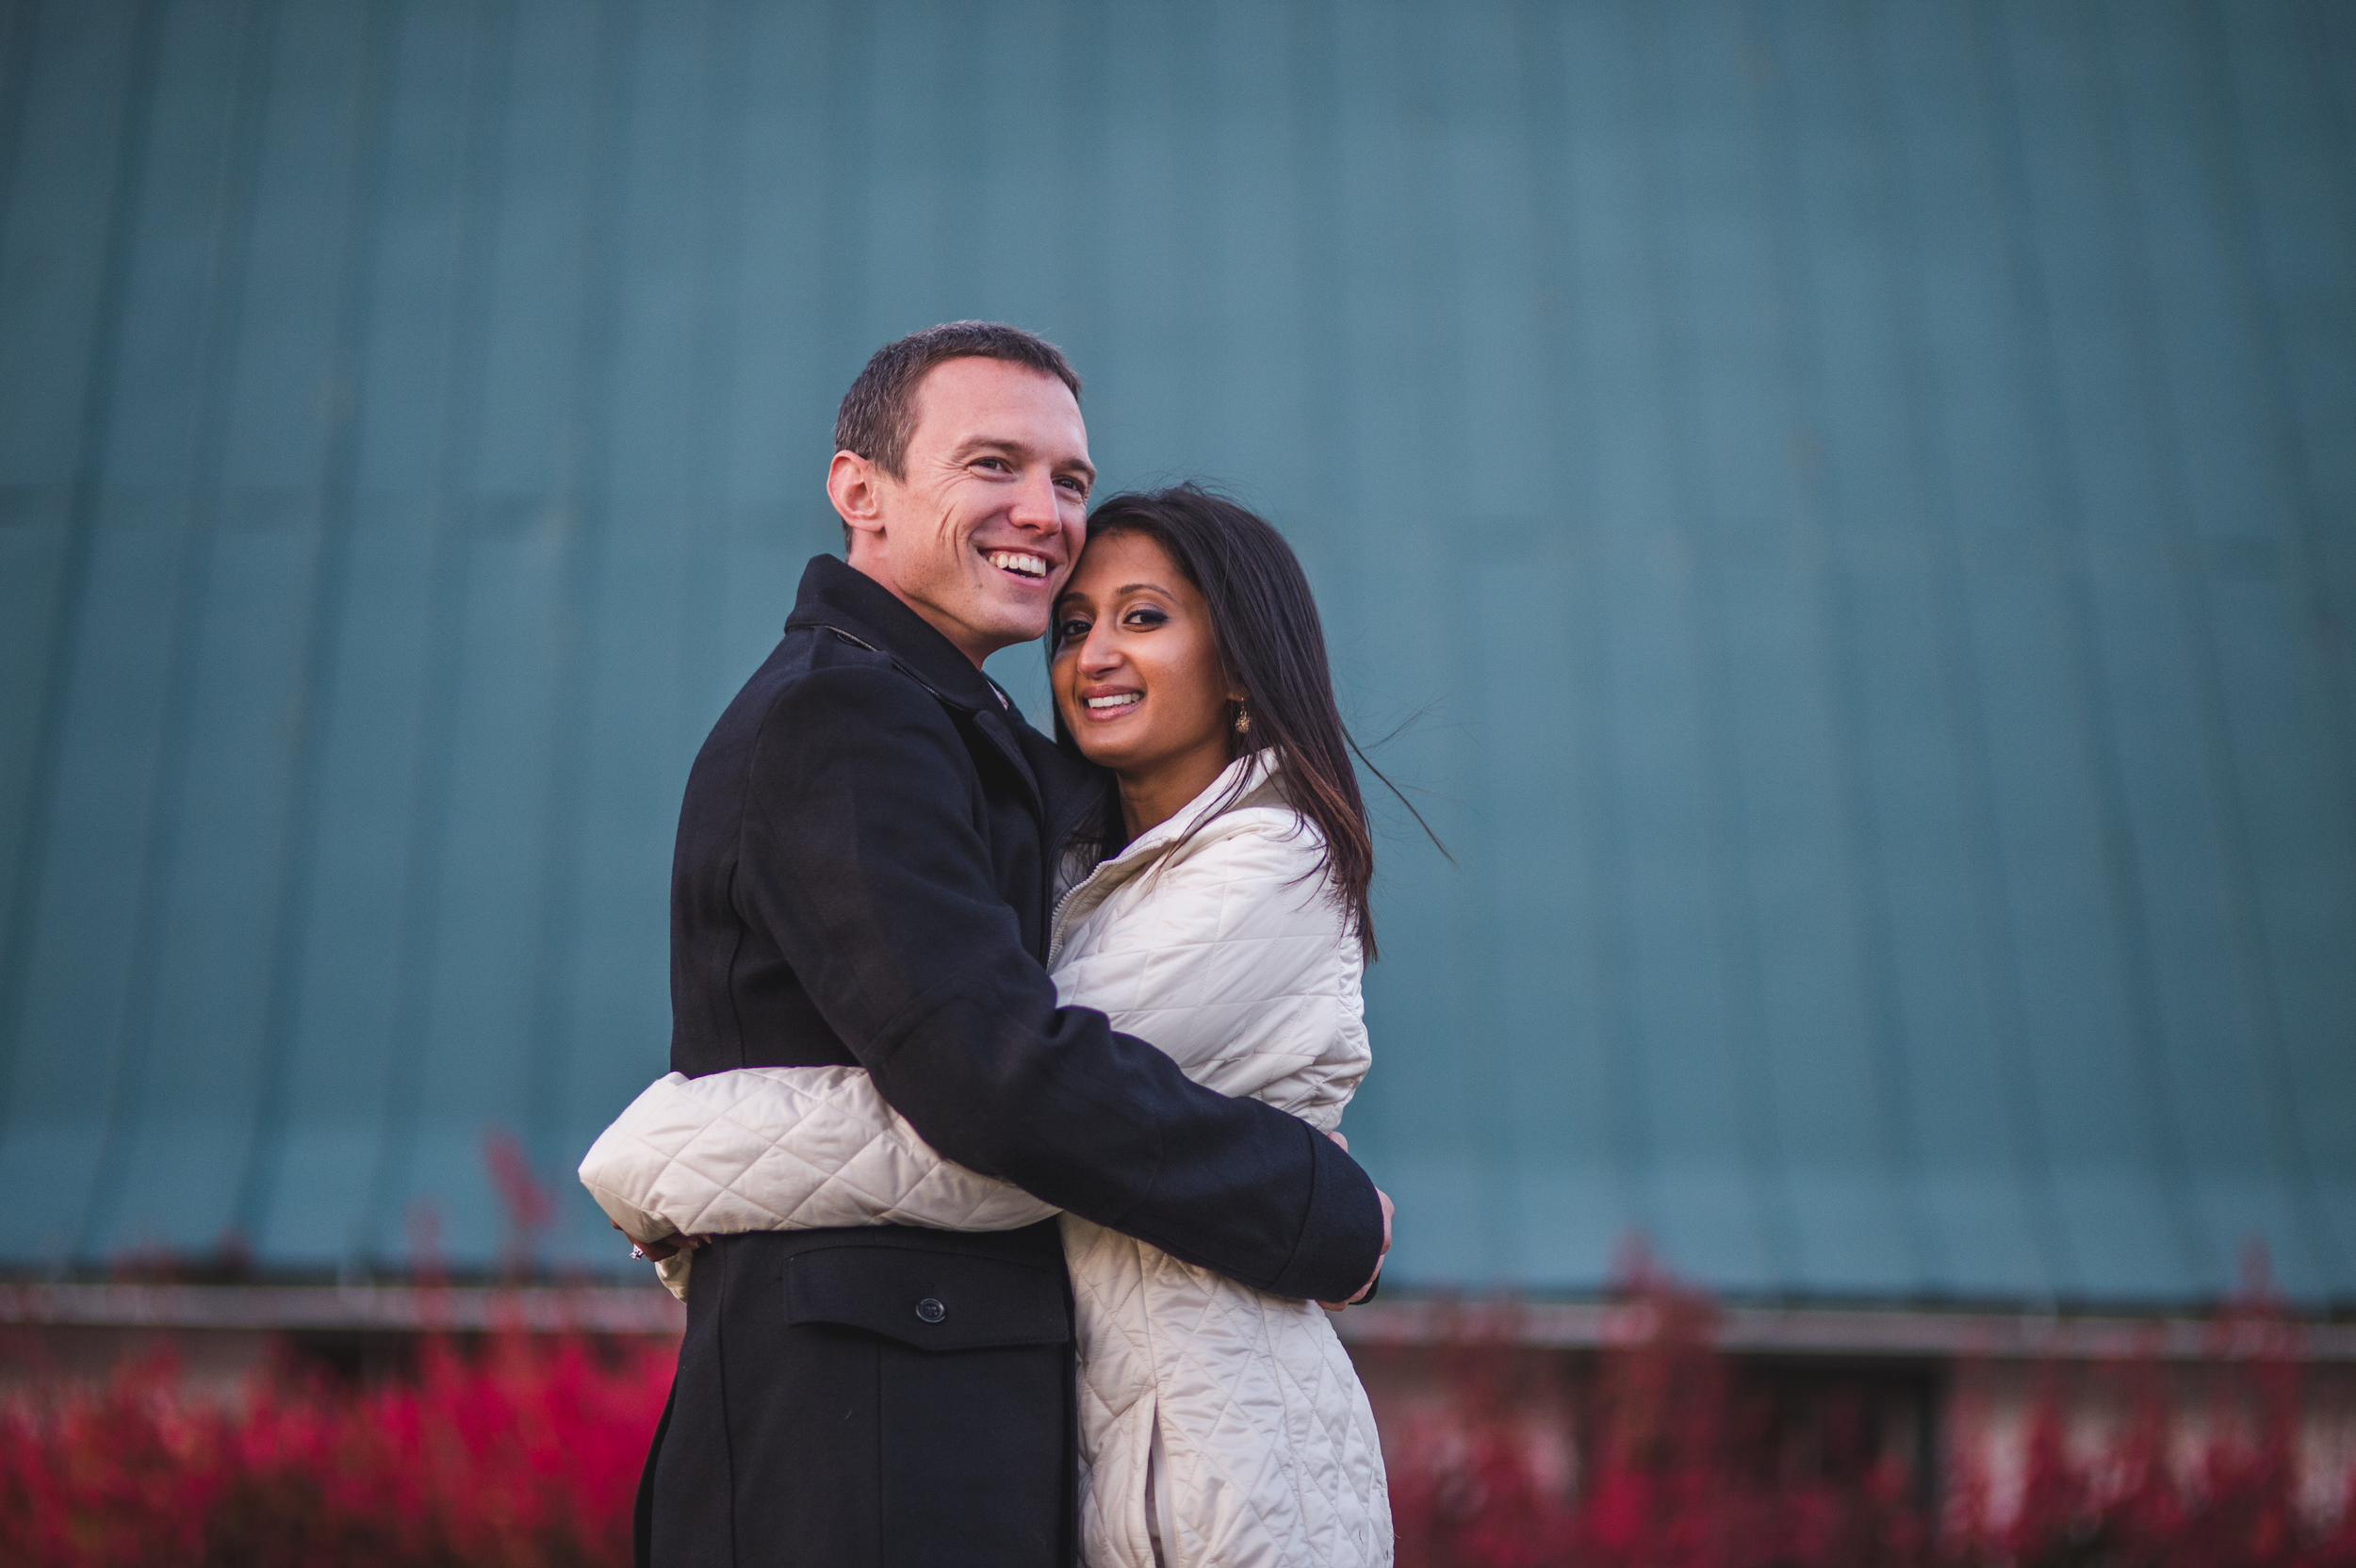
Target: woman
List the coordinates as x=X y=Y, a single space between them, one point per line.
x=1218 y=908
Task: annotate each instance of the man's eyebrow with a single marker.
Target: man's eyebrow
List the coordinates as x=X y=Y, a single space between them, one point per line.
x=1009 y=444
x=982 y=442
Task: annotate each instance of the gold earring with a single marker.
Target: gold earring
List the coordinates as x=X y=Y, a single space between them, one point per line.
x=1243 y=719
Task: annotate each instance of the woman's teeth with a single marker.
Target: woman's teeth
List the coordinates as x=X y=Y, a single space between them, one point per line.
x=1119 y=700
x=1017 y=562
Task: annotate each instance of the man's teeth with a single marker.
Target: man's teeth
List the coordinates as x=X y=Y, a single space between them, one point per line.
x=1121 y=699
x=1014 y=561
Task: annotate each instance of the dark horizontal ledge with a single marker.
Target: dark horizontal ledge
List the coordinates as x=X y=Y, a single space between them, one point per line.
x=646 y=1309
x=1896 y=1333
x=1429 y=1321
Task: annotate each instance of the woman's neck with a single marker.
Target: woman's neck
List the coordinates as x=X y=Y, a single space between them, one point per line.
x=1153 y=794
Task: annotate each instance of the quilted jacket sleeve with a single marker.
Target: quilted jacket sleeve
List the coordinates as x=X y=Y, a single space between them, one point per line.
x=783 y=1148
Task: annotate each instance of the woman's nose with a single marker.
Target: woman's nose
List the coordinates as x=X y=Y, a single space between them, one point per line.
x=1098 y=650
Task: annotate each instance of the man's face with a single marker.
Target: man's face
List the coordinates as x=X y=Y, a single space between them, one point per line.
x=983 y=526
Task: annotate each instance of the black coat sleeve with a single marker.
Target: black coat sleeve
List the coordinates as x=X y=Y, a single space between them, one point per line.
x=862 y=855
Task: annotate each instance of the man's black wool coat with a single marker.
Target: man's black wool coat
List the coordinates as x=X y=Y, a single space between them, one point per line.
x=863 y=877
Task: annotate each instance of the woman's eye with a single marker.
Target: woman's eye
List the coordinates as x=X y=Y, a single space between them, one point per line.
x=1145 y=617
x=1068 y=631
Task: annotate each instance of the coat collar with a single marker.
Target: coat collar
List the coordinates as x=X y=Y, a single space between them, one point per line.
x=846 y=601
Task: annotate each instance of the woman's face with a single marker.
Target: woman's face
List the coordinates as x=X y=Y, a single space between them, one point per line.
x=1137 y=672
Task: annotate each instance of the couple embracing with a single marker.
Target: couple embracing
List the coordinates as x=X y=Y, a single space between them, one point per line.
x=999 y=1167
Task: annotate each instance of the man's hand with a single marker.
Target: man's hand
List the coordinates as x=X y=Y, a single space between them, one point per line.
x=1384 y=1199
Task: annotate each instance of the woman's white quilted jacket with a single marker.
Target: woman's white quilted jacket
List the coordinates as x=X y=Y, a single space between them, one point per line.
x=1231 y=954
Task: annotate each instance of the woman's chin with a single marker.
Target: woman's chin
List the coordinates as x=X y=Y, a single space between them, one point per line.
x=1104 y=742
x=1101 y=749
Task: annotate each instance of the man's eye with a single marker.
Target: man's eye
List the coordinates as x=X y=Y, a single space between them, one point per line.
x=997 y=464
x=1076 y=486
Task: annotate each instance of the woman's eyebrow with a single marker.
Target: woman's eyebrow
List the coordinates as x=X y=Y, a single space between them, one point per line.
x=1124 y=588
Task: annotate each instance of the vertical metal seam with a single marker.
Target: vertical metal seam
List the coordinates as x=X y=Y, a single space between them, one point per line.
x=2337 y=144
x=586 y=503
x=1538 y=48
x=93 y=432
x=2063 y=519
x=24 y=853
x=1193 y=301
x=295 y=853
x=1606 y=828
x=711 y=431
x=1966 y=703
x=166 y=792
x=426 y=831
x=1476 y=1024
x=2223 y=144
x=17 y=35
x=1735 y=894
x=1325 y=420
x=2122 y=218
x=1838 y=645
x=2226 y=156
x=845 y=158
x=1080 y=108
x=1436 y=353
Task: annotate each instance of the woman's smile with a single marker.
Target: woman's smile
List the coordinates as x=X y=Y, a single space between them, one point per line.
x=1103 y=704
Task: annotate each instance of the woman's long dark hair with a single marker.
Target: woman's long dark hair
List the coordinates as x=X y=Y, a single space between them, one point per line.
x=1264 y=622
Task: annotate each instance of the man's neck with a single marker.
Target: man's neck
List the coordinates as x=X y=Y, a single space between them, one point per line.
x=954 y=632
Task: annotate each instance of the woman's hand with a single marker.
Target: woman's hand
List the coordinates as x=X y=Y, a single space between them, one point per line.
x=655 y=1251
x=1388 y=1209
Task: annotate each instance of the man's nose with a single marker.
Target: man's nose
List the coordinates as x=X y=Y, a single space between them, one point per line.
x=1035 y=502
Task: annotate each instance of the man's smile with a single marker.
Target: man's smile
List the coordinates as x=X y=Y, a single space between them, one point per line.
x=1019 y=563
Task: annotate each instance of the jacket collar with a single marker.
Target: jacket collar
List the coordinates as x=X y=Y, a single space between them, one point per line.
x=1251 y=779
x=846 y=601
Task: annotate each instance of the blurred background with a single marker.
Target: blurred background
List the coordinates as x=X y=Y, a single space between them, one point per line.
x=1842 y=514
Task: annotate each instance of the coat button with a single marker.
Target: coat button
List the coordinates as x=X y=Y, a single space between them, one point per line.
x=931 y=1310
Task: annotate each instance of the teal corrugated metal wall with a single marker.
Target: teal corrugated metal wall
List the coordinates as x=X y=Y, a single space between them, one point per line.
x=1855 y=499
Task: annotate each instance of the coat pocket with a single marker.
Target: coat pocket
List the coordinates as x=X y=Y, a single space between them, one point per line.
x=928 y=1301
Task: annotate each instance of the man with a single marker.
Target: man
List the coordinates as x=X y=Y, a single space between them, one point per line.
x=862 y=877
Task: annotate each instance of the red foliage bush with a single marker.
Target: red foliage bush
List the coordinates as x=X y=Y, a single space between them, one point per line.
x=1681 y=1468
x=526 y=1456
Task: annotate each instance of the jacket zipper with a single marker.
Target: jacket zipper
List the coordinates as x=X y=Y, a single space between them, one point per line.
x=1054 y=919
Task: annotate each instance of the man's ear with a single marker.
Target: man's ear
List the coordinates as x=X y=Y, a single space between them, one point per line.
x=855 y=487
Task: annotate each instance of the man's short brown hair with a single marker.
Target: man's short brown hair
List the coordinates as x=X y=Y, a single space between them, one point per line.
x=878 y=413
